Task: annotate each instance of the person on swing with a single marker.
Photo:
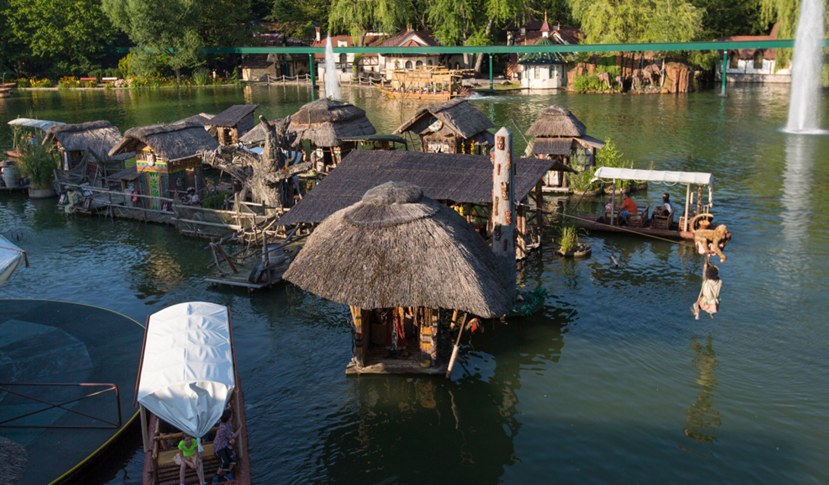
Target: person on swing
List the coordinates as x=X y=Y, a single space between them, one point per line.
x=709 y=297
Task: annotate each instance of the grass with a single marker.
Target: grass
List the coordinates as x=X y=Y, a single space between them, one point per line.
x=568 y=237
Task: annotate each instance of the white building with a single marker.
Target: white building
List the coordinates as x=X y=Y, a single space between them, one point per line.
x=754 y=65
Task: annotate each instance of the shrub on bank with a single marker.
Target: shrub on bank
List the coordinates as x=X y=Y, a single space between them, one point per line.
x=586 y=82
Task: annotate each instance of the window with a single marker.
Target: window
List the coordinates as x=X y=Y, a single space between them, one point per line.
x=758 y=59
x=419 y=64
x=733 y=63
x=537 y=72
x=429 y=63
x=408 y=64
x=343 y=58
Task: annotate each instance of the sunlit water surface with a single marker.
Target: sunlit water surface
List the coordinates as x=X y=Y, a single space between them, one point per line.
x=613 y=382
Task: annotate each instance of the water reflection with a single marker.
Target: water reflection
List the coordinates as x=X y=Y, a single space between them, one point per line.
x=702 y=419
x=797 y=184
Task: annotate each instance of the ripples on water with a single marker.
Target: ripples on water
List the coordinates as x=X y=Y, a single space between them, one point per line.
x=613 y=382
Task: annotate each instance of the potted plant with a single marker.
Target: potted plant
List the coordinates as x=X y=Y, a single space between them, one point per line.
x=38 y=165
x=569 y=245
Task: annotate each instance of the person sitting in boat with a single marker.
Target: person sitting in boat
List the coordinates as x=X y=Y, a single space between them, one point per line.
x=223 y=447
x=709 y=296
x=667 y=208
x=188 y=456
x=192 y=197
x=628 y=206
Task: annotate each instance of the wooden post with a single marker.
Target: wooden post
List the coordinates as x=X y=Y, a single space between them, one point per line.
x=539 y=205
x=687 y=203
x=144 y=429
x=503 y=201
x=613 y=203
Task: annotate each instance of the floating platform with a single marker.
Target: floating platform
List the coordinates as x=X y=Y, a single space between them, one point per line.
x=17 y=188
x=67 y=377
x=593 y=222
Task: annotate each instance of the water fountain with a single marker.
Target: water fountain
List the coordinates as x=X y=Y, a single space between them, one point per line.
x=804 y=101
x=332 y=83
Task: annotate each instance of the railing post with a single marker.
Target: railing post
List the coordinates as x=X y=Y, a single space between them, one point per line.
x=724 y=69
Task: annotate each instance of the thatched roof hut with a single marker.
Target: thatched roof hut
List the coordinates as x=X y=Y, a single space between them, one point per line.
x=453 y=177
x=398 y=248
x=174 y=141
x=325 y=121
x=232 y=116
x=456 y=120
x=256 y=136
x=556 y=128
x=97 y=137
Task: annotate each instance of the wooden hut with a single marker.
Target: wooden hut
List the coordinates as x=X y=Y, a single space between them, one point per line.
x=233 y=122
x=83 y=149
x=397 y=257
x=324 y=123
x=451 y=127
x=167 y=159
x=560 y=136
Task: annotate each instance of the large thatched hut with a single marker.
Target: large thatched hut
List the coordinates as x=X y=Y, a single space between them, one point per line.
x=559 y=135
x=323 y=124
x=397 y=258
x=451 y=127
x=233 y=122
x=167 y=159
x=84 y=147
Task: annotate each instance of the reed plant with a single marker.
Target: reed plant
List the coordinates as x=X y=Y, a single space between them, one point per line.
x=568 y=236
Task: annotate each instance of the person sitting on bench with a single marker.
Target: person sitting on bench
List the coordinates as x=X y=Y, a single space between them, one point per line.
x=628 y=207
x=667 y=208
x=188 y=456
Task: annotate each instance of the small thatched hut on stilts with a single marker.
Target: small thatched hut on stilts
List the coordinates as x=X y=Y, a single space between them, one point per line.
x=232 y=123
x=324 y=123
x=559 y=135
x=83 y=149
x=451 y=127
x=397 y=258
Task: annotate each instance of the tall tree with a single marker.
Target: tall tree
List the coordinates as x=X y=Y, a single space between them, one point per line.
x=225 y=22
x=64 y=36
x=731 y=17
x=359 y=17
x=168 y=27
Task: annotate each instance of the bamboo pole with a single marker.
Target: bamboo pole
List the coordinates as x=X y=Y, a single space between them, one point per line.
x=456 y=348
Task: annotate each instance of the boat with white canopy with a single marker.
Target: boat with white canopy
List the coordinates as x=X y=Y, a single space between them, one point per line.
x=11 y=258
x=696 y=210
x=186 y=379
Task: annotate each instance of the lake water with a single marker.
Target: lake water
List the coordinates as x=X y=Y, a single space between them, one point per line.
x=614 y=382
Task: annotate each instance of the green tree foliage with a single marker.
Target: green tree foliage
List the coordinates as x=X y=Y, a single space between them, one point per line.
x=225 y=22
x=731 y=17
x=168 y=27
x=302 y=11
x=64 y=36
x=358 y=17
x=673 y=21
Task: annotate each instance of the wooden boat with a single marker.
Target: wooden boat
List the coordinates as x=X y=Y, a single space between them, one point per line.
x=645 y=223
x=423 y=83
x=171 y=406
x=6 y=89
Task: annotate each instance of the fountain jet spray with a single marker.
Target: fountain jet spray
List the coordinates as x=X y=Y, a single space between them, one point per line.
x=332 y=83
x=804 y=100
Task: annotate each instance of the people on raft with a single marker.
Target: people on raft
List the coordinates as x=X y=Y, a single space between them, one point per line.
x=667 y=208
x=192 y=197
x=628 y=207
x=189 y=456
x=709 y=295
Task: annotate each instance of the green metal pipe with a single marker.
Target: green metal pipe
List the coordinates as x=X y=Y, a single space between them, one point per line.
x=313 y=83
x=724 y=69
x=490 y=73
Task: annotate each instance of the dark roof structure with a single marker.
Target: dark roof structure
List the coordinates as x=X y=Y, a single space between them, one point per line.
x=173 y=141
x=746 y=54
x=442 y=176
x=556 y=128
x=457 y=116
x=201 y=118
x=97 y=137
x=233 y=115
x=542 y=57
x=256 y=135
x=325 y=121
x=395 y=247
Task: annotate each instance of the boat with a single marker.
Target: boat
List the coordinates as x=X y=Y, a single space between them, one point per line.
x=695 y=210
x=11 y=258
x=424 y=83
x=6 y=89
x=186 y=379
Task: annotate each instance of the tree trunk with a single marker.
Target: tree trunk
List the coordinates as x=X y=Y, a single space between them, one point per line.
x=178 y=76
x=480 y=59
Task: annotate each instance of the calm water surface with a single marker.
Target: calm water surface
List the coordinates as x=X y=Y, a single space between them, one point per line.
x=614 y=382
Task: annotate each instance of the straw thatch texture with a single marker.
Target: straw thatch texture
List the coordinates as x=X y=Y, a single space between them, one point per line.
x=442 y=176
x=325 y=121
x=557 y=121
x=174 y=141
x=96 y=136
x=13 y=459
x=458 y=115
x=553 y=146
x=233 y=115
x=397 y=248
x=256 y=135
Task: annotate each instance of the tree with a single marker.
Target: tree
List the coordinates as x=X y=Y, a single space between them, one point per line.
x=168 y=27
x=225 y=22
x=731 y=17
x=64 y=36
x=360 y=17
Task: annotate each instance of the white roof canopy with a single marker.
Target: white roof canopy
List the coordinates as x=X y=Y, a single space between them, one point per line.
x=32 y=123
x=11 y=258
x=188 y=371
x=662 y=176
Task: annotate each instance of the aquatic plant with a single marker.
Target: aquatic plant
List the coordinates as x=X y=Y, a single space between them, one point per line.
x=568 y=236
x=37 y=164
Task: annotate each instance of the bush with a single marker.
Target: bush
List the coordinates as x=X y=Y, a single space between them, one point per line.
x=67 y=82
x=124 y=67
x=201 y=76
x=610 y=156
x=586 y=82
x=37 y=164
x=216 y=200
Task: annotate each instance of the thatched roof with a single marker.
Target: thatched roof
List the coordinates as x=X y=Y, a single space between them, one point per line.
x=174 y=141
x=398 y=248
x=233 y=115
x=14 y=459
x=442 y=176
x=256 y=135
x=201 y=118
x=96 y=136
x=557 y=121
x=458 y=116
x=325 y=121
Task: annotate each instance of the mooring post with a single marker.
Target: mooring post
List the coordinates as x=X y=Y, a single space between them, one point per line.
x=503 y=202
x=724 y=69
x=490 y=76
x=311 y=63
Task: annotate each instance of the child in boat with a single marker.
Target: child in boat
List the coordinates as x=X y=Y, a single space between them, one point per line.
x=188 y=456
x=223 y=447
x=709 y=298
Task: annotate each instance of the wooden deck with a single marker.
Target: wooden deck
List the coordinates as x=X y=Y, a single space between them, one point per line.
x=593 y=222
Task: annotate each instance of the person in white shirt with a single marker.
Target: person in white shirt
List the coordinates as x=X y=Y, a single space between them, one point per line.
x=667 y=209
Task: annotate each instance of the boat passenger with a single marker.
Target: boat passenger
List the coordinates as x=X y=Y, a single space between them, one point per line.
x=667 y=208
x=709 y=297
x=192 y=197
x=188 y=456
x=628 y=206
x=223 y=447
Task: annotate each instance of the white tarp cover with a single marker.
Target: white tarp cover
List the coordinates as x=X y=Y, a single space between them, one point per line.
x=11 y=258
x=699 y=178
x=31 y=123
x=187 y=375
